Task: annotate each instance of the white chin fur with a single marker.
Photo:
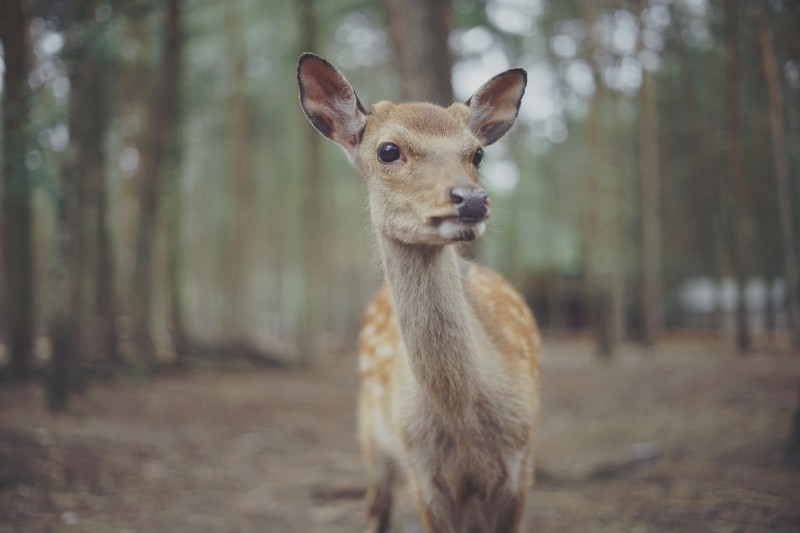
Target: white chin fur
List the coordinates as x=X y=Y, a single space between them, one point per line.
x=455 y=230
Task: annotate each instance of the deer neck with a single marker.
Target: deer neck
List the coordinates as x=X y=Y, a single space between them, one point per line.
x=437 y=325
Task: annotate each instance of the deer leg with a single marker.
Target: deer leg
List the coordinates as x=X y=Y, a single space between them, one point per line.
x=381 y=471
x=504 y=512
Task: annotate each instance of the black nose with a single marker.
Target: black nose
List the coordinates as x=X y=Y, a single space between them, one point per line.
x=470 y=203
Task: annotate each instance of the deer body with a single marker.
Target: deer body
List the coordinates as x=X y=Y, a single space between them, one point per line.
x=449 y=352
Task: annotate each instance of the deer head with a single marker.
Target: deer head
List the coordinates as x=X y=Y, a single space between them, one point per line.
x=420 y=160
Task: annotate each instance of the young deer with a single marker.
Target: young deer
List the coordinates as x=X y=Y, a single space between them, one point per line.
x=449 y=352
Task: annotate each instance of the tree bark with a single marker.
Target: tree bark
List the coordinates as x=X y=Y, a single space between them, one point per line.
x=419 y=31
x=238 y=268
x=741 y=207
x=17 y=289
x=595 y=232
x=313 y=229
x=780 y=153
x=92 y=118
x=158 y=144
x=652 y=304
x=67 y=325
x=173 y=165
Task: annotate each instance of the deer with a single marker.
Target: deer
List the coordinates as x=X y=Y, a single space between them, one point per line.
x=449 y=352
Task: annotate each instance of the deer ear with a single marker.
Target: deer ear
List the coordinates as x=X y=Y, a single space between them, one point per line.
x=329 y=102
x=494 y=107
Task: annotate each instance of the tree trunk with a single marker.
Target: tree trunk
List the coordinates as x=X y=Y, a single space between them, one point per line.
x=238 y=271
x=419 y=31
x=107 y=307
x=173 y=166
x=777 y=127
x=94 y=115
x=596 y=231
x=82 y=186
x=652 y=305
x=741 y=207
x=17 y=252
x=158 y=144
x=312 y=213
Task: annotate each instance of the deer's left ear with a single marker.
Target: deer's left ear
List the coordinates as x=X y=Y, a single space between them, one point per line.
x=494 y=107
x=329 y=102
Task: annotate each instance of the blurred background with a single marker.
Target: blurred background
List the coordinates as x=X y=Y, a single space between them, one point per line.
x=162 y=190
x=165 y=202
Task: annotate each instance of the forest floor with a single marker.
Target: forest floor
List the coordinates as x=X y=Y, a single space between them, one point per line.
x=684 y=437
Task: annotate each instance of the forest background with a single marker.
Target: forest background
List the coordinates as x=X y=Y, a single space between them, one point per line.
x=164 y=198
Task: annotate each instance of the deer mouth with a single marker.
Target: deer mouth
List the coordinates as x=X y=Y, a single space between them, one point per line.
x=455 y=228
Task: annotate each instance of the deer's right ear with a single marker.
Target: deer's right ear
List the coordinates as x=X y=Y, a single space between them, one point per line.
x=329 y=102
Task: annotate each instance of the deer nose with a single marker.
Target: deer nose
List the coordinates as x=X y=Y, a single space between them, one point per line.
x=470 y=203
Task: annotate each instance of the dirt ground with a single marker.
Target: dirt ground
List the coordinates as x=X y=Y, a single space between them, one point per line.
x=686 y=437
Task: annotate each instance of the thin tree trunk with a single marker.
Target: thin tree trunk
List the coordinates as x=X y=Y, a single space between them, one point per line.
x=596 y=277
x=419 y=30
x=81 y=175
x=741 y=207
x=106 y=275
x=620 y=226
x=597 y=232
x=652 y=305
x=313 y=212
x=514 y=249
x=174 y=158
x=238 y=258
x=17 y=252
x=777 y=127
x=158 y=143
x=94 y=114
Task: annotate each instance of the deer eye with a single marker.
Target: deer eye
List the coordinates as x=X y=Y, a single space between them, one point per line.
x=478 y=157
x=388 y=152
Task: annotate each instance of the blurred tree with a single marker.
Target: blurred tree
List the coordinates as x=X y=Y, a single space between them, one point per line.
x=739 y=188
x=652 y=299
x=17 y=268
x=419 y=30
x=95 y=115
x=777 y=127
x=313 y=228
x=158 y=143
x=596 y=226
x=82 y=211
x=173 y=160
x=238 y=270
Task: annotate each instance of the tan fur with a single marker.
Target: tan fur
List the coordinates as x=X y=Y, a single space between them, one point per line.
x=448 y=352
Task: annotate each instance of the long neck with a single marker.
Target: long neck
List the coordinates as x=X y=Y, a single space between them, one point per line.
x=436 y=323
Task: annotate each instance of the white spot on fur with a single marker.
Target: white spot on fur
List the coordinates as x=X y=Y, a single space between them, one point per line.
x=384 y=350
x=369 y=331
x=364 y=363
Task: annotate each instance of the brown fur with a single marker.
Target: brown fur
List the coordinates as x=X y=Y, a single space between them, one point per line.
x=448 y=356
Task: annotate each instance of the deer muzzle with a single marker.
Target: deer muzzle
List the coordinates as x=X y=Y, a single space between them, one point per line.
x=470 y=202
